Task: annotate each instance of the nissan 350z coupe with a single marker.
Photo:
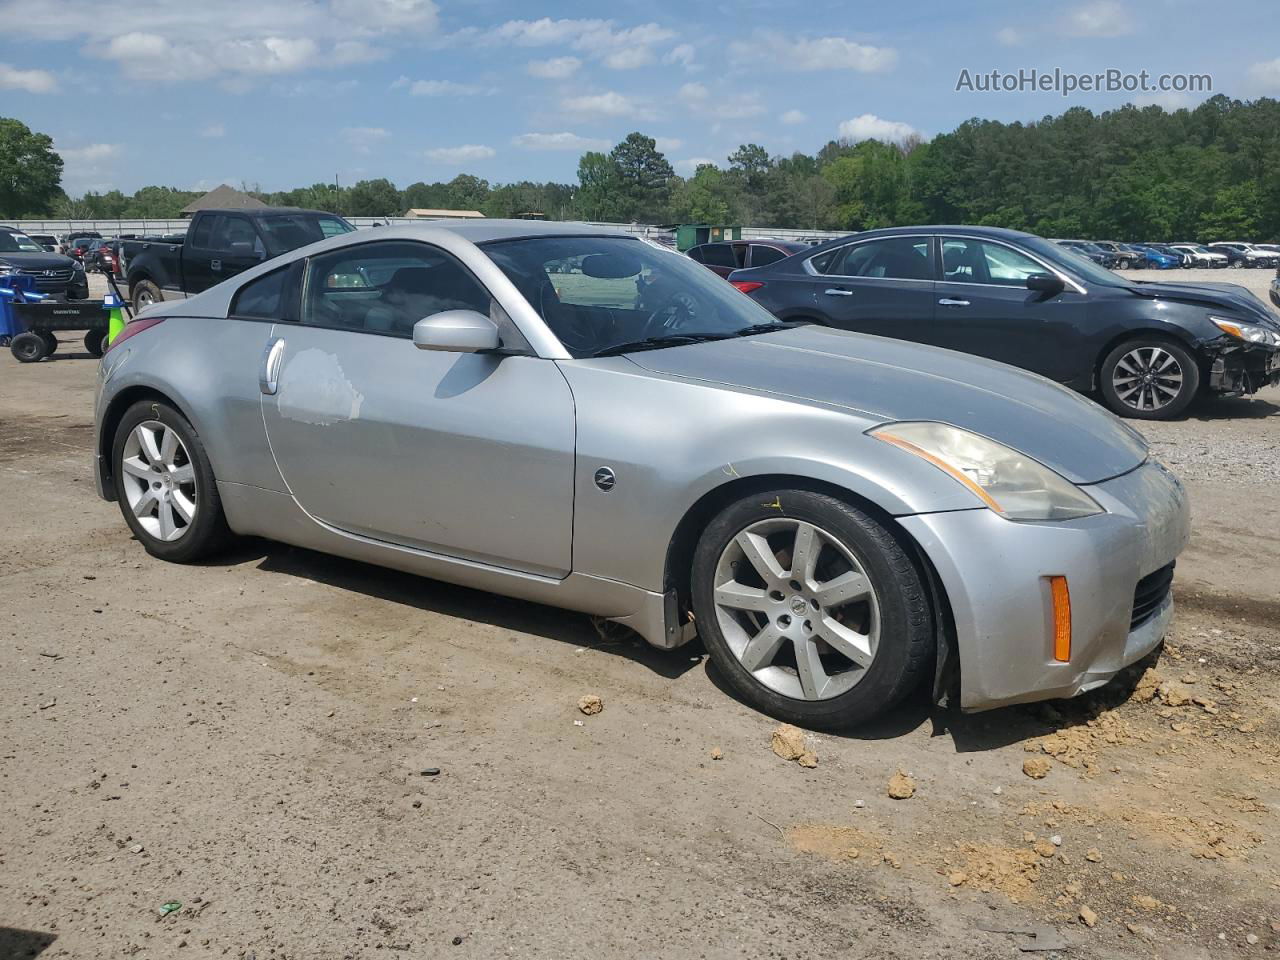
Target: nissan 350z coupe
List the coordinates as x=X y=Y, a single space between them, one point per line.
x=570 y=416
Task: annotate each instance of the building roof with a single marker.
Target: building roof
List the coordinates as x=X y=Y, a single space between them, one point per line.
x=427 y=214
x=223 y=198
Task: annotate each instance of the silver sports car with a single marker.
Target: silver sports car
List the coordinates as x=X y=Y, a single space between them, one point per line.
x=569 y=415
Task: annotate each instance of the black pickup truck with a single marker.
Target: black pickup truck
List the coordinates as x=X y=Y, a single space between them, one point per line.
x=219 y=244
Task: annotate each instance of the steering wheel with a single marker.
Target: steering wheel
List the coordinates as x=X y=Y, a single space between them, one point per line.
x=673 y=315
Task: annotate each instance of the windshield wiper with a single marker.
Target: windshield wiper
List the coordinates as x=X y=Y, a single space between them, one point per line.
x=655 y=343
x=770 y=327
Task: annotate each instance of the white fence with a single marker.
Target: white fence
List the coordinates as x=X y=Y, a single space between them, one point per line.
x=109 y=228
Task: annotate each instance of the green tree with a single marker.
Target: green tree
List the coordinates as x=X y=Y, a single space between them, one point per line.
x=643 y=178
x=373 y=198
x=466 y=192
x=30 y=170
x=599 y=187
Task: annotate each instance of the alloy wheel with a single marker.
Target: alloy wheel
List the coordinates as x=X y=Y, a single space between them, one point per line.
x=159 y=480
x=797 y=608
x=1147 y=378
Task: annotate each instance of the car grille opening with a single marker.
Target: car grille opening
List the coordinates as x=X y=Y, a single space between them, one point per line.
x=48 y=279
x=1150 y=595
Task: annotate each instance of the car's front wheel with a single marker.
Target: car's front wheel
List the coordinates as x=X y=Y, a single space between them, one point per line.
x=1149 y=378
x=165 y=484
x=144 y=293
x=810 y=608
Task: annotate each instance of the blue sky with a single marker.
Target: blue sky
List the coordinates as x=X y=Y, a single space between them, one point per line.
x=283 y=93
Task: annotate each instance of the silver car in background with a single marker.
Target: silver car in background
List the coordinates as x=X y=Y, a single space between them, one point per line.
x=564 y=414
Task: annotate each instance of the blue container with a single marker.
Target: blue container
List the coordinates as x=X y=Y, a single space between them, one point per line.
x=15 y=289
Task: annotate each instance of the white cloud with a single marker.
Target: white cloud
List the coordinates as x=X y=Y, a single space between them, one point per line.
x=628 y=58
x=690 y=165
x=32 y=81
x=1098 y=18
x=558 y=141
x=682 y=54
x=234 y=41
x=557 y=68
x=624 y=48
x=1266 y=75
x=463 y=154
x=362 y=139
x=214 y=131
x=804 y=54
x=88 y=167
x=736 y=106
x=1008 y=37
x=607 y=104
x=793 y=117
x=668 y=144
x=870 y=127
x=439 y=88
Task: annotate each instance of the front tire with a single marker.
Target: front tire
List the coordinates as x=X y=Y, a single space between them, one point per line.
x=165 y=484
x=810 y=608
x=1149 y=378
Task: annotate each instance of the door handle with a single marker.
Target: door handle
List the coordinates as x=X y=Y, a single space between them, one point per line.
x=269 y=375
x=948 y=302
x=837 y=292
x=215 y=266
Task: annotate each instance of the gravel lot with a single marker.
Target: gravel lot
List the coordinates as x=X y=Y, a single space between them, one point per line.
x=248 y=738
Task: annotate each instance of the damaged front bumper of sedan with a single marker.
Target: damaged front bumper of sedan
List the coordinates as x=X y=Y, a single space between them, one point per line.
x=1238 y=369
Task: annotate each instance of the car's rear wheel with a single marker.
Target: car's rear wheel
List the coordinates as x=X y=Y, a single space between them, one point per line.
x=810 y=608
x=144 y=294
x=1123 y=265
x=165 y=484
x=1149 y=379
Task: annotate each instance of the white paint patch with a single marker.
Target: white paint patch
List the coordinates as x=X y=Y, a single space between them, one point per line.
x=314 y=390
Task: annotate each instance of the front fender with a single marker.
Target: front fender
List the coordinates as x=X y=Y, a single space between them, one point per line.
x=669 y=442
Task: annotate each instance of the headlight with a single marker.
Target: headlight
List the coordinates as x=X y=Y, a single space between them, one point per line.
x=1010 y=483
x=1247 y=331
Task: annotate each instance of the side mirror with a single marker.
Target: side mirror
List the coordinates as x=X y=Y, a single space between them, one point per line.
x=456 y=331
x=1046 y=283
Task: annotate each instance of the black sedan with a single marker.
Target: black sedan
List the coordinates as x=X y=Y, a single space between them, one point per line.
x=1148 y=348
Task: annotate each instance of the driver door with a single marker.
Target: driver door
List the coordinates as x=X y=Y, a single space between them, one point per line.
x=466 y=455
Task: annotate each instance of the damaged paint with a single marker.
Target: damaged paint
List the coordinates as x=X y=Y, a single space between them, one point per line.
x=319 y=392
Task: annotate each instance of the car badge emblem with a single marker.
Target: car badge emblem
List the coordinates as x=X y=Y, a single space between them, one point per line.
x=48 y=273
x=604 y=478
x=798 y=606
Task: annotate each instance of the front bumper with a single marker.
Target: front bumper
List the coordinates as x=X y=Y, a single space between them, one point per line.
x=1241 y=370
x=995 y=573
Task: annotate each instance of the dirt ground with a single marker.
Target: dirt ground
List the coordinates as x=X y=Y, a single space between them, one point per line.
x=248 y=739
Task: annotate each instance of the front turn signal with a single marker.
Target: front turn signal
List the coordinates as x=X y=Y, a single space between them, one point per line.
x=1061 y=619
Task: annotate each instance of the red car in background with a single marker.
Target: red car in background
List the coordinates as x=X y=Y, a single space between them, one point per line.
x=726 y=256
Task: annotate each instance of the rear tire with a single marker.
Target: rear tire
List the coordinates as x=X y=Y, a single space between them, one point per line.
x=144 y=293
x=1149 y=378
x=28 y=347
x=825 y=642
x=159 y=478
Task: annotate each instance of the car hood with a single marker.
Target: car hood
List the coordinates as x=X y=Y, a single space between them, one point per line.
x=886 y=380
x=1224 y=296
x=37 y=261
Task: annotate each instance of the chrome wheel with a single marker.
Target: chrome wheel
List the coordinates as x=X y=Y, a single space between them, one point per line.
x=797 y=608
x=1147 y=378
x=159 y=480
x=144 y=299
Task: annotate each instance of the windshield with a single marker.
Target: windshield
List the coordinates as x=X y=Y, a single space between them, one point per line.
x=1077 y=263
x=601 y=293
x=289 y=231
x=13 y=242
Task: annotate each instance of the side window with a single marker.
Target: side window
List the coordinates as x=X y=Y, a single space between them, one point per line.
x=235 y=235
x=893 y=258
x=695 y=254
x=204 y=229
x=975 y=261
x=265 y=298
x=386 y=287
x=719 y=255
x=762 y=255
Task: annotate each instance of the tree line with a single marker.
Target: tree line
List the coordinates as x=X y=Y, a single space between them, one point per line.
x=1135 y=173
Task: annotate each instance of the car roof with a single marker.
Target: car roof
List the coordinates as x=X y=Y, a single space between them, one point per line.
x=483 y=231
